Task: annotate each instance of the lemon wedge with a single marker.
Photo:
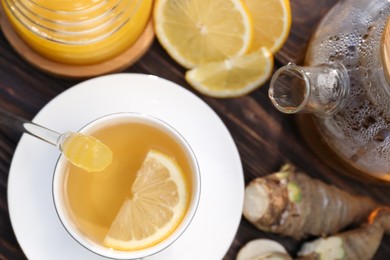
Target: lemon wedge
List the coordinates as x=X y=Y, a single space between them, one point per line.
x=158 y=204
x=232 y=77
x=196 y=32
x=271 y=22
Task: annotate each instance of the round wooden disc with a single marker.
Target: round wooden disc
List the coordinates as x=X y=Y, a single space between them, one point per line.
x=385 y=50
x=115 y=64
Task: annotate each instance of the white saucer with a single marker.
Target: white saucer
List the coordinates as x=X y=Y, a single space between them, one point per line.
x=36 y=225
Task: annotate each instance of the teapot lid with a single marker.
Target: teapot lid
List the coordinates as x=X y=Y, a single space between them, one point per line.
x=385 y=50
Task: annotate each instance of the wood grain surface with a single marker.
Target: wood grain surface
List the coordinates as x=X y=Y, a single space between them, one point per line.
x=265 y=138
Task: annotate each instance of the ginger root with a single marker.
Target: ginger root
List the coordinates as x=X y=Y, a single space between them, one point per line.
x=292 y=204
x=263 y=249
x=361 y=243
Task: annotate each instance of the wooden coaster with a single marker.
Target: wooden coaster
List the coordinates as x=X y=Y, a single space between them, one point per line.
x=115 y=64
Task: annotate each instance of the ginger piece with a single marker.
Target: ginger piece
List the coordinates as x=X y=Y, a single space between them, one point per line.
x=361 y=243
x=293 y=204
x=263 y=249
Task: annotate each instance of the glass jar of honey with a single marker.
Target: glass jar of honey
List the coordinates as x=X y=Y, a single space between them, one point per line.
x=78 y=32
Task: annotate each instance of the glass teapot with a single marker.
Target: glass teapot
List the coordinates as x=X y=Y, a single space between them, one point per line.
x=342 y=93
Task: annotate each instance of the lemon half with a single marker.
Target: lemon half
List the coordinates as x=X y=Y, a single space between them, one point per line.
x=196 y=32
x=271 y=22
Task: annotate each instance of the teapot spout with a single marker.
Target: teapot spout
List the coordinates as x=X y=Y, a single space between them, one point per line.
x=321 y=90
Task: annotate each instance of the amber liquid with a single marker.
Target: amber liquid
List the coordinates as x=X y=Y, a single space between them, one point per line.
x=94 y=199
x=326 y=153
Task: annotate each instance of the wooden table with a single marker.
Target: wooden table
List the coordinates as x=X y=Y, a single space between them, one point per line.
x=265 y=138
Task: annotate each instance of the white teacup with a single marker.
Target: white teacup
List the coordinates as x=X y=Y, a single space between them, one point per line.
x=65 y=215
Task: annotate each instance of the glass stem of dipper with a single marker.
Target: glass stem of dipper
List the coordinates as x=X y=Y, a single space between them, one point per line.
x=81 y=150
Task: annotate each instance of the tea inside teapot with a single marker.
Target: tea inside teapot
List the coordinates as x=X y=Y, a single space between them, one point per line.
x=342 y=93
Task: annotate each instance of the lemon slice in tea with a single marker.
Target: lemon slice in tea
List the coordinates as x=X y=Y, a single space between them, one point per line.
x=158 y=203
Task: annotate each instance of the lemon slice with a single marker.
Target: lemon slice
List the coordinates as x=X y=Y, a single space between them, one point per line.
x=157 y=206
x=86 y=152
x=271 y=22
x=233 y=77
x=195 y=32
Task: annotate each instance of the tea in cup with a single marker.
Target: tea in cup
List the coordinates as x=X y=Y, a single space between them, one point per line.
x=143 y=201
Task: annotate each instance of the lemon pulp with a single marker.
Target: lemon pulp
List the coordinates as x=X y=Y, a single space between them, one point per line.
x=271 y=23
x=195 y=32
x=232 y=77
